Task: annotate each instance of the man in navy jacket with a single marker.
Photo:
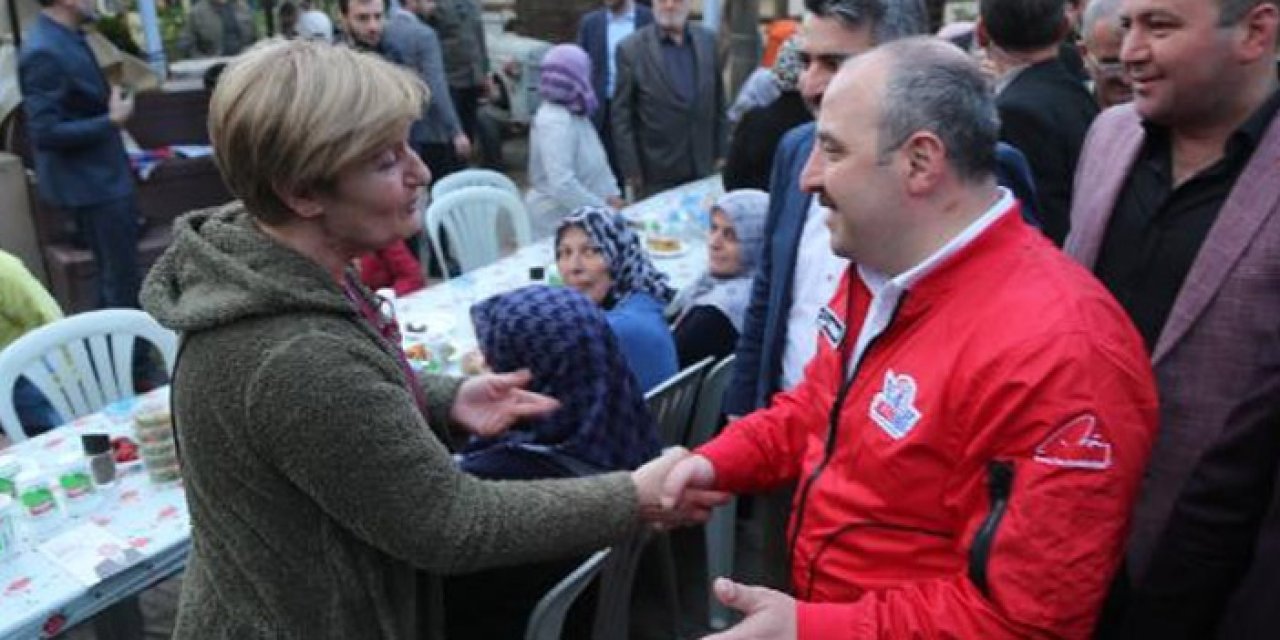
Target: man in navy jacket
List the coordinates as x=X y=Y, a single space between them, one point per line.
x=74 y=119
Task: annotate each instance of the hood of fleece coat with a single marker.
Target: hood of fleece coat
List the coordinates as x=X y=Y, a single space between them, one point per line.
x=221 y=269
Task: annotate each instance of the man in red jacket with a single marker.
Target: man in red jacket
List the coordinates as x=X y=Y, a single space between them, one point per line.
x=970 y=436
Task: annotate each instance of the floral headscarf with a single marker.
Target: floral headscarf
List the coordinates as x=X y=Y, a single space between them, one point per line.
x=629 y=266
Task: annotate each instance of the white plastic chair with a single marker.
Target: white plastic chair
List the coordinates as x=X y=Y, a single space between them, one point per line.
x=81 y=363
x=473 y=178
x=470 y=216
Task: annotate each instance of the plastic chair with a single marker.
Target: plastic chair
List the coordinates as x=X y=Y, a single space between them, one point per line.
x=470 y=217
x=473 y=178
x=617 y=582
x=81 y=363
x=706 y=413
x=671 y=402
x=547 y=620
x=719 y=529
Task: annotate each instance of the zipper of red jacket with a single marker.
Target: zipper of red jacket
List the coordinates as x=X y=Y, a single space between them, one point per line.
x=846 y=381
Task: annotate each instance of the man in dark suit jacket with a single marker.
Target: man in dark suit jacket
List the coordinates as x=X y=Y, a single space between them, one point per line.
x=1184 y=229
x=1044 y=109
x=599 y=33
x=74 y=119
x=669 y=124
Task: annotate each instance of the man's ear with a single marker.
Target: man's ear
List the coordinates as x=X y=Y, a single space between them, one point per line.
x=926 y=162
x=302 y=201
x=1258 y=32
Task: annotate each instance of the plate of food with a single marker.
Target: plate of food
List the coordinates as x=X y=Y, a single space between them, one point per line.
x=665 y=246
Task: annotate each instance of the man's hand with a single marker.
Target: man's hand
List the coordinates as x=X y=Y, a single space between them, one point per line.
x=694 y=505
x=769 y=615
x=489 y=404
x=691 y=472
x=119 y=106
x=462 y=147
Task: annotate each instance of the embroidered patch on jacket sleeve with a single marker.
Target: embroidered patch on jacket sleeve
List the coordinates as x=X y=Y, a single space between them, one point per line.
x=1081 y=443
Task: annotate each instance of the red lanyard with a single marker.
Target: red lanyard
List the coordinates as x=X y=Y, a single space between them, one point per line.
x=383 y=320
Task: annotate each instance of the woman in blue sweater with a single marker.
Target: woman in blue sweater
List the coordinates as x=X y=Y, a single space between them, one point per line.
x=600 y=256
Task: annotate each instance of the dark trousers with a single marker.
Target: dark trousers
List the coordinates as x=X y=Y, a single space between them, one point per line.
x=110 y=229
x=35 y=412
x=605 y=129
x=466 y=101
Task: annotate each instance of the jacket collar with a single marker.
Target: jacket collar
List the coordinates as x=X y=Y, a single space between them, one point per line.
x=1252 y=201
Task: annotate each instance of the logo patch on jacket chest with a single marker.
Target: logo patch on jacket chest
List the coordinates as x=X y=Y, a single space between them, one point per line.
x=830 y=326
x=893 y=408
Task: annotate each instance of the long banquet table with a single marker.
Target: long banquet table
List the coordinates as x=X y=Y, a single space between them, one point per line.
x=445 y=307
x=37 y=597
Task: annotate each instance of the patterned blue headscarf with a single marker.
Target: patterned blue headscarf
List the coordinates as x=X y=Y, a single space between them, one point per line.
x=565 y=341
x=629 y=264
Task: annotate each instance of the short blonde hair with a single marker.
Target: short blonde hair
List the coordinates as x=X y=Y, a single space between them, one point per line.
x=290 y=115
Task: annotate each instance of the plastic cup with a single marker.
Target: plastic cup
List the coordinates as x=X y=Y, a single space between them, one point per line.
x=8 y=527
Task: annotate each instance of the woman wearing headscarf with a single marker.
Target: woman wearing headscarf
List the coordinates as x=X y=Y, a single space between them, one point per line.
x=564 y=340
x=568 y=167
x=756 y=137
x=710 y=311
x=601 y=257
x=602 y=425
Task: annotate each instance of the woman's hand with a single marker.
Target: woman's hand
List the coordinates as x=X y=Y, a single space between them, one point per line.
x=489 y=404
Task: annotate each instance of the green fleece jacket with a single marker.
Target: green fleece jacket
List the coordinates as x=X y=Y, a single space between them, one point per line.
x=316 y=488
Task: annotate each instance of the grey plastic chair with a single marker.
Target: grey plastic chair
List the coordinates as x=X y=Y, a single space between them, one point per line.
x=719 y=529
x=671 y=402
x=81 y=363
x=547 y=620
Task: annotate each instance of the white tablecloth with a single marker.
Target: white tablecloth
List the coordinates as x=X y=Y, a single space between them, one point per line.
x=445 y=307
x=34 y=590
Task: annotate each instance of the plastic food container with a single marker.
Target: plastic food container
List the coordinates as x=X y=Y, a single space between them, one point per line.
x=76 y=482
x=35 y=494
x=156 y=445
x=10 y=467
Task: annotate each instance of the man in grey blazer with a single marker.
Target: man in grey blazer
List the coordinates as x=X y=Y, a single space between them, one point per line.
x=438 y=136
x=668 y=115
x=1177 y=211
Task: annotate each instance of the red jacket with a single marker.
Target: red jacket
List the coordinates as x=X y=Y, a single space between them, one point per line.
x=984 y=459
x=393 y=267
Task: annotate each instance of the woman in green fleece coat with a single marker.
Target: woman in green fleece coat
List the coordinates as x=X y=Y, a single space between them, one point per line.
x=314 y=468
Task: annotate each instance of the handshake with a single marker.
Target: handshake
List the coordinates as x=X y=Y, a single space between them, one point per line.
x=674 y=489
